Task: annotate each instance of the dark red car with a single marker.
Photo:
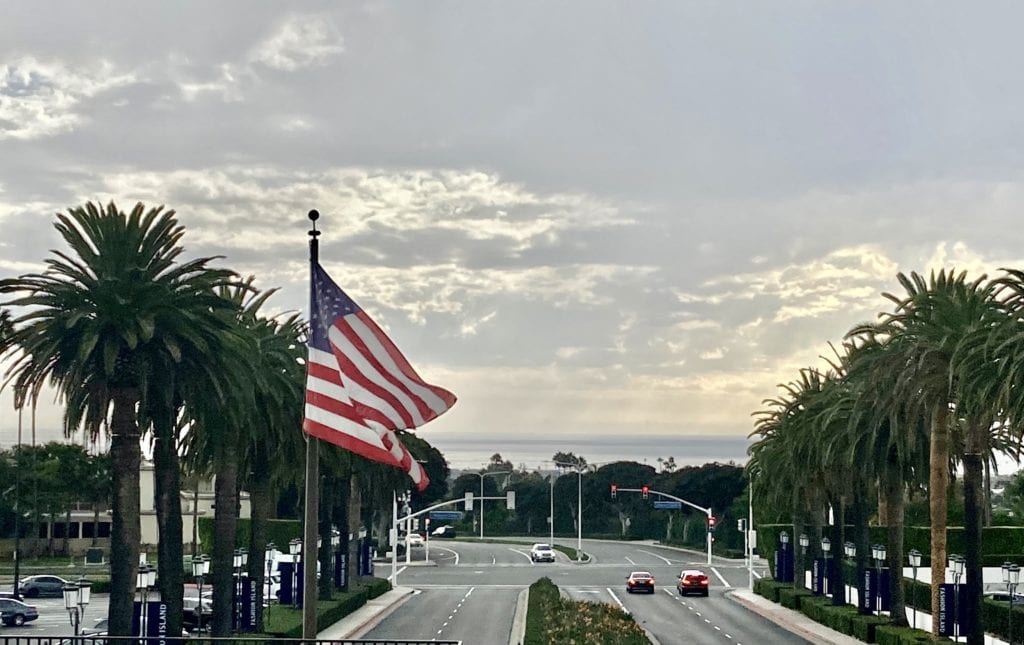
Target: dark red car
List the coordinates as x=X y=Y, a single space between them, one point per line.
x=692 y=581
x=640 y=581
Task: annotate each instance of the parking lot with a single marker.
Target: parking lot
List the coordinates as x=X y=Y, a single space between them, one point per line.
x=53 y=618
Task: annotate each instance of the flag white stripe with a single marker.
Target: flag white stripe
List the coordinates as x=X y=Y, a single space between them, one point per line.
x=370 y=372
x=427 y=395
x=344 y=425
x=352 y=390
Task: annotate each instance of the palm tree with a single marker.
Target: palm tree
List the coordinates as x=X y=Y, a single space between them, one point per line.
x=100 y=321
x=933 y=319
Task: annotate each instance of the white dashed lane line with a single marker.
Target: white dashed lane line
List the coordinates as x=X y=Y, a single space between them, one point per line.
x=691 y=608
x=455 y=611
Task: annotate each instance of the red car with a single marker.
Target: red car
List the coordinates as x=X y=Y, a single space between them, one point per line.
x=640 y=581
x=692 y=581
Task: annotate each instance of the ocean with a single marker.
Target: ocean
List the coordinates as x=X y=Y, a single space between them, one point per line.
x=475 y=451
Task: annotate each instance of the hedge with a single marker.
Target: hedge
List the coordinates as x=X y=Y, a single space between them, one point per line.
x=553 y=619
x=770 y=588
x=329 y=611
x=791 y=597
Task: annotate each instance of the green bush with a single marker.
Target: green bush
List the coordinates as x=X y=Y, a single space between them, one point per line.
x=376 y=587
x=863 y=627
x=553 y=619
x=792 y=598
x=892 y=635
x=769 y=588
x=814 y=607
x=838 y=617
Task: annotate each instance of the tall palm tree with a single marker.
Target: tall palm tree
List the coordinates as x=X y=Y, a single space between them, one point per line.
x=931 y=321
x=99 y=321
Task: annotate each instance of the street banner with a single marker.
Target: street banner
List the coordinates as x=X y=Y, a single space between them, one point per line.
x=299 y=588
x=953 y=600
x=818 y=577
x=287 y=570
x=367 y=552
x=249 y=601
x=868 y=596
x=156 y=623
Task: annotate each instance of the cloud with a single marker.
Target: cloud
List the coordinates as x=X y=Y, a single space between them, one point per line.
x=42 y=99
x=300 y=42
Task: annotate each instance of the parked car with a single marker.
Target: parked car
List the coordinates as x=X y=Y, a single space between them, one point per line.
x=16 y=612
x=443 y=531
x=542 y=553
x=640 y=581
x=692 y=581
x=39 y=586
x=190 y=618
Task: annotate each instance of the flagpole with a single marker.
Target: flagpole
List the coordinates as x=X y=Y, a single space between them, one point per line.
x=310 y=559
x=394 y=539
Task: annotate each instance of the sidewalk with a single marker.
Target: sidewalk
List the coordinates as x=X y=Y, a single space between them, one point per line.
x=788 y=619
x=368 y=616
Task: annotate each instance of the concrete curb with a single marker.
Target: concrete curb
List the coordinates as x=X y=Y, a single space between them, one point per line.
x=368 y=616
x=518 y=633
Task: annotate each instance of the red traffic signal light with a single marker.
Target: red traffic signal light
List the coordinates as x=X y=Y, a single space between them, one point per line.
x=615 y=489
x=644 y=490
x=711 y=522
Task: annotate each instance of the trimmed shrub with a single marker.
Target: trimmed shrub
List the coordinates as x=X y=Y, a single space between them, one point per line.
x=553 y=619
x=791 y=598
x=863 y=627
x=891 y=635
x=375 y=587
x=769 y=588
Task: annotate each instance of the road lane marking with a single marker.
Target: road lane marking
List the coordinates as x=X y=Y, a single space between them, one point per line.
x=453 y=552
x=400 y=570
x=524 y=554
x=667 y=561
x=717 y=627
x=724 y=581
x=630 y=561
x=468 y=592
x=757 y=575
x=616 y=598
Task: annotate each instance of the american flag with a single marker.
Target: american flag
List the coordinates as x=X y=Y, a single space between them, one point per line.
x=359 y=387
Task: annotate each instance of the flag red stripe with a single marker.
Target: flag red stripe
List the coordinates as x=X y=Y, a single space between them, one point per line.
x=351 y=371
x=348 y=442
x=357 y=342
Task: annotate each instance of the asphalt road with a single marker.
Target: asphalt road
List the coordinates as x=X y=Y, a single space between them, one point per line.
x=471 y=593
x=53 y=618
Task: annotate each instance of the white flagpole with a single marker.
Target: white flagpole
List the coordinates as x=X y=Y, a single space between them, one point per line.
x=394 y=539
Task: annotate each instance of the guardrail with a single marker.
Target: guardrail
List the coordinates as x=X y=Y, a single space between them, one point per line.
x=135 y=640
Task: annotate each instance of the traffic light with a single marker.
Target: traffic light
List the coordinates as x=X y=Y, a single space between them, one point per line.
x=615 y=490
x=644 y=490
x=711 y=522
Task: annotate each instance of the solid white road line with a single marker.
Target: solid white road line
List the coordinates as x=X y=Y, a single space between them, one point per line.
x=758 y=575
x=455 y=553
x=616 y=598
x=667 y=561
x=524 y=554
x=629 y=560
x=724 y=581
x=400 y=570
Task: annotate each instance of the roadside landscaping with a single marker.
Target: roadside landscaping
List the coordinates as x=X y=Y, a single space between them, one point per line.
x=286 y=622
x=553 y=619
x=567 y=550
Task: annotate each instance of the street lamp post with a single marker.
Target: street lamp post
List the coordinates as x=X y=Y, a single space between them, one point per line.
x=1011 y=578
x=878 y=552
x=804 y=543
x=551 y=513
x=481 y=476
x=76 y=598
x=956 y=563
x=268 y=558
x=850 y=549
x=143 y=581
x=784 y=539
x=198 y=571
x=295 y=549
x=826 y=548
x=915 y=562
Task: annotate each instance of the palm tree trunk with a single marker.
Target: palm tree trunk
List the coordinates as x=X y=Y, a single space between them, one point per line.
x=66 y=547
x=974 y=503
x=167 y=501
x=883 y=506
x=260 y=500
x=125 y=531
x=938 y=490
x=799 y=566
x=894 y=552
x=861 y=534
x=355 y=500
x=225 y=521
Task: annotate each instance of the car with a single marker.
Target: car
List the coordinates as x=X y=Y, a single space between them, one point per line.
x=16 y=612
x=414 y=540
x=39 y=586
x=640 y=581
x=542 y=553
x=443 y=531
x=1003 y=596
x=190 y=617
x=692 y=581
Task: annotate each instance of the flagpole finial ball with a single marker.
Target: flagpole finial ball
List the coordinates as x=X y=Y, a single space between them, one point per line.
x=314 y=215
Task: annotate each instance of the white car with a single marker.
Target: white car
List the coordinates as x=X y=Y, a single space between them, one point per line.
x=414 y=540
x=542 y=553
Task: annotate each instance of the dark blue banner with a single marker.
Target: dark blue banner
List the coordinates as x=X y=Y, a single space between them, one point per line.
x=869 y=591
x=287 y=571
x=156 y=623
x=953 y=599
x=249 y=602
x=367 y=558
x=299 y=587
x=818 y=576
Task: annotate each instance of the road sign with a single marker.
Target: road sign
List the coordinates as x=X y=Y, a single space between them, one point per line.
x=446 y=515
x=668 y=505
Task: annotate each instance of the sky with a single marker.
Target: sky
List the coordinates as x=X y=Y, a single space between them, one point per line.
x=590 y=220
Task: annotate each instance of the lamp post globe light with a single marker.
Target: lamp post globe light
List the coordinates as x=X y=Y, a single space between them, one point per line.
x=295 y=549
x=878 y=553
x=76 y=599
x=142 y=584
x=804 y=543
x=826 y=548
x=915 y=561
x=198 y=571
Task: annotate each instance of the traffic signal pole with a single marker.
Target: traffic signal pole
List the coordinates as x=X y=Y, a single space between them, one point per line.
x=706 y=511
